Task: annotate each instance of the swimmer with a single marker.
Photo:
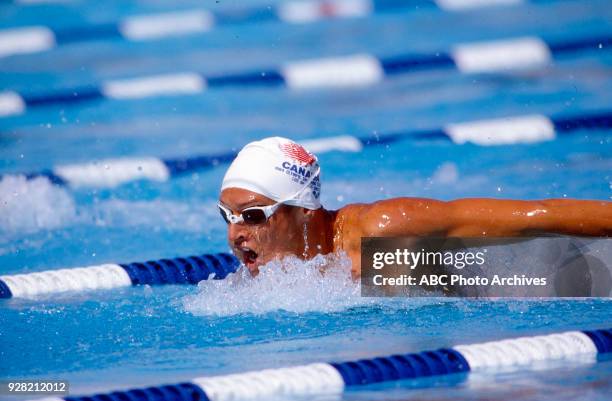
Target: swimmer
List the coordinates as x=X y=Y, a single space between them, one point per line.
x=270 y=200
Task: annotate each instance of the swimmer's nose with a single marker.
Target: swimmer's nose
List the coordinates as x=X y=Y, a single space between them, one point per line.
x=236 y=234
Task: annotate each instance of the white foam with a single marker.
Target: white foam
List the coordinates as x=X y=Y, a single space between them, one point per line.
x=521 y=53
x=460 y=5
x=168 y=24
x=503 y=131
x=25 y=40
x=291 y=284
x=11 y=103
x=356 y=70
x=31 y=205
x=309 y=11
x=171 y=84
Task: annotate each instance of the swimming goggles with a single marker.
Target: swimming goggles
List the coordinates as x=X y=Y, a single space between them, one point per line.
x=251 y=215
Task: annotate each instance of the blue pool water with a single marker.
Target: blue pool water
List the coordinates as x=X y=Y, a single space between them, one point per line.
x=143 y=336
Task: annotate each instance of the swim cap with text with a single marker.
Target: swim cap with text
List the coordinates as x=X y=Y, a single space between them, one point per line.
x=278 y=168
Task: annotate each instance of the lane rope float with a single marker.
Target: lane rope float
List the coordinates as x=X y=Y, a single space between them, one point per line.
x=187 y=270
x=147 y=27
x=500 y=131
x=354 y=70
x=333 y=378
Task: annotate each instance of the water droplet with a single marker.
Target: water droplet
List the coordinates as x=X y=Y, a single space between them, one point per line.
x=387 y=220
x=306 y=247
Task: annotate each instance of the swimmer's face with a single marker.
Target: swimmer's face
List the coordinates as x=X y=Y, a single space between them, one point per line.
x=255 y=245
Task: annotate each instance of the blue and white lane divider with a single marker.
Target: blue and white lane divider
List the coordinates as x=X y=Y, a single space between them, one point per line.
x=188 y=270
x=503 y=131
x=319 y=379
x=355 y=70
x=32 y=39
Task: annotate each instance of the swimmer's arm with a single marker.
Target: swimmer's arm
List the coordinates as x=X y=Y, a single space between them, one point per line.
x=403 y=217
x=480 y=217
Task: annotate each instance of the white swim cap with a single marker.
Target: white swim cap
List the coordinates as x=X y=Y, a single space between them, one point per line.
x=277 y=168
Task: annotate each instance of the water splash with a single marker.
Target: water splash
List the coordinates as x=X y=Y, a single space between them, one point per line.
x=27 y=206
x=322 y=284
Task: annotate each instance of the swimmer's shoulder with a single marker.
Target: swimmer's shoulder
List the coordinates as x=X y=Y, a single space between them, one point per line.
x=394 y=216
x=359 y=211
x=350 y=215
x=346 y=228
x=356 y=218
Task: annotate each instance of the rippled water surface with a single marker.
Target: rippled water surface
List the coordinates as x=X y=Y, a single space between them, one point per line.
x=290 y=314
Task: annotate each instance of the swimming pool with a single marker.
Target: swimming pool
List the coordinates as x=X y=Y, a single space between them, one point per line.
x=140 y=336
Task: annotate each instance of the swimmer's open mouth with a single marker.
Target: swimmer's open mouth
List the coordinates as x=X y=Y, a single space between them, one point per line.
x=249 y=257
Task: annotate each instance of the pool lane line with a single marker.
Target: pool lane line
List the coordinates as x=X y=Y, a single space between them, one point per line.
x=318 y=379
x=181 y=270
x=38 y=38
x=493 y=132
x=349 y=71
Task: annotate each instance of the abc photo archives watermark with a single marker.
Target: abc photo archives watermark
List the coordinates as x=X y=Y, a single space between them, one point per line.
x=486 y=267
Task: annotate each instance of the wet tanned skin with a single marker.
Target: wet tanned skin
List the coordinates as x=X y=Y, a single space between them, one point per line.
x=341 y=230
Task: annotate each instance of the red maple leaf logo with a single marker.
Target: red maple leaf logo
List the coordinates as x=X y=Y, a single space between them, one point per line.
x=327 y=9
x=296 y=152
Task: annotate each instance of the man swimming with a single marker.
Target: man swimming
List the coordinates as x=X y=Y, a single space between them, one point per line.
x=270 y=200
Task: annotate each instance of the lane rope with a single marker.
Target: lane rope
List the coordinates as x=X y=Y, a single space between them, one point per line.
x=33 y=39
x=492 y=132
x=333 y=378
x=182 y=270
x=356 y=70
